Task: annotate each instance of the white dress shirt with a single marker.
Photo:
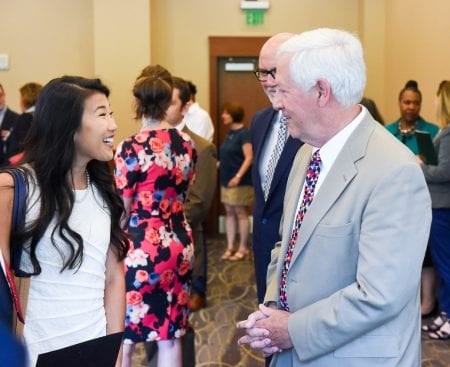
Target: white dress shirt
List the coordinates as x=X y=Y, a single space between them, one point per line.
x=330 y=150
x=199 y=121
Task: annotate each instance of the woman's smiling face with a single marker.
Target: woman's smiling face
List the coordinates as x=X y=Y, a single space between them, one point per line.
x=94 y=140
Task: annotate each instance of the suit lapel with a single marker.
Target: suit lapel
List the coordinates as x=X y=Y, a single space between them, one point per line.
x=263 y=129
x=284 y=162
x=294 y=193
x=338 y=178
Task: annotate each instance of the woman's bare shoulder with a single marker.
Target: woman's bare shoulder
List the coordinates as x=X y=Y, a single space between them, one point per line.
x=6 y=180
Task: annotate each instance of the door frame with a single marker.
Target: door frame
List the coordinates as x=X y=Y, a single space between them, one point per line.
x=224 y=46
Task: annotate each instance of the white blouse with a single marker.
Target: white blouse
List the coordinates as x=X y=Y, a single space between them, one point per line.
x=65 y=308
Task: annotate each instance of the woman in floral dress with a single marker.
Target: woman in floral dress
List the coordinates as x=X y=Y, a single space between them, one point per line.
x=153 y=170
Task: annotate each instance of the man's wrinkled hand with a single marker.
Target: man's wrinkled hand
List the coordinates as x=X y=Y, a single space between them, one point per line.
x=276 y=323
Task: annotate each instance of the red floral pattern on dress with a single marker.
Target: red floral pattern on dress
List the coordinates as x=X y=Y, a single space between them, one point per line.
x=154 y=169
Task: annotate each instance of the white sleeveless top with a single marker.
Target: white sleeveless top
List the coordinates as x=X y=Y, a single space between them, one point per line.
x=68 y=308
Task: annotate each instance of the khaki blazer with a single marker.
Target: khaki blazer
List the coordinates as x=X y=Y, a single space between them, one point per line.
x=202 y=189
x=353 y=282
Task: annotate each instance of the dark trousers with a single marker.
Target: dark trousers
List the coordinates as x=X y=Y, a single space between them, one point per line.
x=440 y=250
x=199 y=269
x=6 y=303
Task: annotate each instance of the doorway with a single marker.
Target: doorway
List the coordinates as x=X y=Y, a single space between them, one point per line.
x=232 y=80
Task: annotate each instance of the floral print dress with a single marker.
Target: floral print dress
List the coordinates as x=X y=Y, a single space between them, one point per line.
x=154 y=169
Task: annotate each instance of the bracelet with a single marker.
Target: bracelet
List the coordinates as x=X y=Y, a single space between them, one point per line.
x=238 y=175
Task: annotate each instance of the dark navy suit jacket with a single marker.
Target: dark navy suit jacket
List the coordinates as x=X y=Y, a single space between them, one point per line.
x=267 y=215
x=15 y=142
x=8 y=121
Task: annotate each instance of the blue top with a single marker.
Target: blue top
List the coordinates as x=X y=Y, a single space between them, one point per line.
x=232 y=156
x=410 y=140
x=12 y=351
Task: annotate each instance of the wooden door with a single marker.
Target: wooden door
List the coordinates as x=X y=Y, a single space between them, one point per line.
x=232 y=86
x=238 y=86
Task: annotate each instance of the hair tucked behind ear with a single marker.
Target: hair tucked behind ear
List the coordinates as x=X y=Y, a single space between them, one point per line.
x=50 y=151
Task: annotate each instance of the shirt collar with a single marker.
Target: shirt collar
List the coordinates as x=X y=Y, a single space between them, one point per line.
x=181 y=125
x=331 y=149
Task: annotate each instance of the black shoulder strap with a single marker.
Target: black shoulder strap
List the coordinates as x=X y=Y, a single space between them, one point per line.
x=18 y=219
x=19 y=200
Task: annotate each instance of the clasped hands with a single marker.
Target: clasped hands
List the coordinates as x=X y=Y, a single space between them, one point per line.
x=266 y=330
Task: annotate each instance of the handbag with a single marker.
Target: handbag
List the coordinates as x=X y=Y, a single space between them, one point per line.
x=19 y=283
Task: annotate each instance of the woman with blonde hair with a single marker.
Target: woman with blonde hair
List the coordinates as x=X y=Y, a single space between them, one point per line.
x=438 y=180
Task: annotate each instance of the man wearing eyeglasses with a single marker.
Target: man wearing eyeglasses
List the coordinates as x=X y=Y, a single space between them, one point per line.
x=273 y=152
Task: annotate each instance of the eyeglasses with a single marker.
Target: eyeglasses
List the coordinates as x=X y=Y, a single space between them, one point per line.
x=262 y=74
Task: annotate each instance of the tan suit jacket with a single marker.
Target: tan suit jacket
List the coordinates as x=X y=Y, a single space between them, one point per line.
x=353 y=282
x=202 y=189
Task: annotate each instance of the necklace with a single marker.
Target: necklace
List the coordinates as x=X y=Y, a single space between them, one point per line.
x=78 y=197
x=88 y=179
x=409 y=131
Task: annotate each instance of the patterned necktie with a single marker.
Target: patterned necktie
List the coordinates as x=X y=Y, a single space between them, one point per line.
x=274 y=157
x=312 y=175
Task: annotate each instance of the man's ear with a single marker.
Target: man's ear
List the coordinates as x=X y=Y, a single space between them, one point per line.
x=185 y=108
x=323 y=91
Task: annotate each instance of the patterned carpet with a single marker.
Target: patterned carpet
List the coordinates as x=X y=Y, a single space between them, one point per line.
x=231 y=297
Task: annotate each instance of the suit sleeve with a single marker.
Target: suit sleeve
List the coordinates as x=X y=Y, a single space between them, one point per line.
x=394 y=230
x=202 y=189
x=15 y=141
x=441 y=172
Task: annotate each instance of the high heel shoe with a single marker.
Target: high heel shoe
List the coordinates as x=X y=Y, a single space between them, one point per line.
x=436 y=324
x=443 y=333
x=228 y=254
x=240 y=255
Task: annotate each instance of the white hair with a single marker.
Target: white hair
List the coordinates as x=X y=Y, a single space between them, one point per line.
x=329 y=54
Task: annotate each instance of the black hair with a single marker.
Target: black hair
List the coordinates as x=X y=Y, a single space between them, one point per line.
x=184 y=91
x=372 y=108
x=192 y=88
x=412 y=86
x=50 y=151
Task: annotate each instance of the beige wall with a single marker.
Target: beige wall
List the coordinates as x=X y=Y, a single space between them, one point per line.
x=94 y=38
x=44 y=39
x=403 y=39
x=180 y=29
x=372 y=32
x=114 y=39
x=417 y=47
x=121 y=50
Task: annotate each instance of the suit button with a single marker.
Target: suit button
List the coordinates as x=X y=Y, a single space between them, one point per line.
x=264 y=221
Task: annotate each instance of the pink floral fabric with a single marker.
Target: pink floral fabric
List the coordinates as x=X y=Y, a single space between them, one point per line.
x=154 y=168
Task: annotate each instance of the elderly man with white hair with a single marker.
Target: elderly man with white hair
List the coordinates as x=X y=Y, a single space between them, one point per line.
x=343 y=283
